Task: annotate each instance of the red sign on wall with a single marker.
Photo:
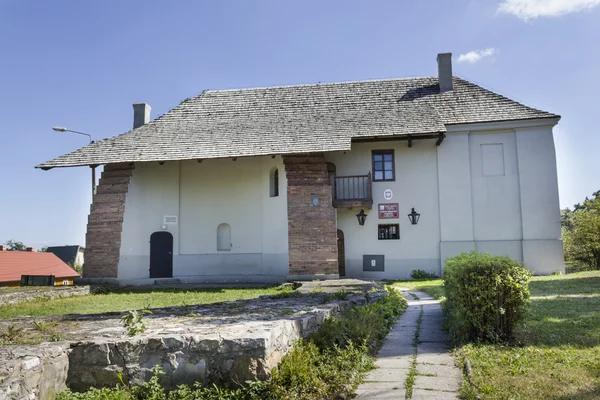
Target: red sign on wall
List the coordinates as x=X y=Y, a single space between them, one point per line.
x=388 y=211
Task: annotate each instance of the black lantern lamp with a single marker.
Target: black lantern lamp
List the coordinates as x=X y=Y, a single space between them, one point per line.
x=414 y=217
x=361 y=216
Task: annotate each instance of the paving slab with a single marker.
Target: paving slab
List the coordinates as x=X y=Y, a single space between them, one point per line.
x=448 y=371
x=383 y=394
x=387 y=375
x=436 y=358
x=421 y=394
x=394 y=362
x=449 y=384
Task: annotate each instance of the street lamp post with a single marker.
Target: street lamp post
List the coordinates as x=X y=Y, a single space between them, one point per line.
x=63 y=129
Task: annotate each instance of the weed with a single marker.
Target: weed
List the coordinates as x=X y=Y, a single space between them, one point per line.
x=422 y=275
x=12 y=333
x=412 y=373
x=55 y=337
x=341 y=295
x=317 y=290
x=43 y=326
x=133 y=322
x=286 y=294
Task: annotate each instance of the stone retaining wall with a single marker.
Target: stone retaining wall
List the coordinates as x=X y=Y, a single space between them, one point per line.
x=242 y=341
x=29 y=294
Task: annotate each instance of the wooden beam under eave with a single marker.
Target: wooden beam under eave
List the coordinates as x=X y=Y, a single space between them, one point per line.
x=440 y=139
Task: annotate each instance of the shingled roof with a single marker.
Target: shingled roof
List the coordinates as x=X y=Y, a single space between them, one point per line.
x=300 y=119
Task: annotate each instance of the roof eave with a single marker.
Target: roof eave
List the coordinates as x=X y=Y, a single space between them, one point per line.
x=550 y=120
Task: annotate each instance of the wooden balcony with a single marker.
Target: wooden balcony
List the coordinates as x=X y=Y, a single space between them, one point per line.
x=352 y=191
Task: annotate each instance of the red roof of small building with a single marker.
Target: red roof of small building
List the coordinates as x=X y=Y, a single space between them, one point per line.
x=13 y=264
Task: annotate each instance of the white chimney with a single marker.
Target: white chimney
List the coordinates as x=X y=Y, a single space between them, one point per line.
x=141 y=114
x=444 y=61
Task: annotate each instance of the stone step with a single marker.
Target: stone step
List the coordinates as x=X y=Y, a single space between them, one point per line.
x=167 y=281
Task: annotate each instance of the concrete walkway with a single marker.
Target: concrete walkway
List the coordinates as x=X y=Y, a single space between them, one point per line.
x=429 y=362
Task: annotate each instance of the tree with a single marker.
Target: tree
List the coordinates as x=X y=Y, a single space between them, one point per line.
x=581 y=233
x=11 y=245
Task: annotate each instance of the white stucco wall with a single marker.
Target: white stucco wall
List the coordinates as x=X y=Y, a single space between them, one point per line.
x=202 y=196
x=513 y=204
x=416 y=185
x=492 y=188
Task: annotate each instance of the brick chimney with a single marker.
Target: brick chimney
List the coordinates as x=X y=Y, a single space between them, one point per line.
x=30 y=250
x=141 y=114
x=444 y=61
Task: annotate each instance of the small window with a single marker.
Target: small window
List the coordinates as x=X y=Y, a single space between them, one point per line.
x=65 y=283
x=389 y=232
x=383 y=165
x=274 y=183
x=224 y=237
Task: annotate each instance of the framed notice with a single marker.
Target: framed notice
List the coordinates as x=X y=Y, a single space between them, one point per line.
x=388 y=211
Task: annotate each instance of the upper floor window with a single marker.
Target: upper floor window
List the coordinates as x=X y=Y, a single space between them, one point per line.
x=274 y=183
x=383 y=165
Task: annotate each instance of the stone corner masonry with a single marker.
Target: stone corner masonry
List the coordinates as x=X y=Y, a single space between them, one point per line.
x=312 y=231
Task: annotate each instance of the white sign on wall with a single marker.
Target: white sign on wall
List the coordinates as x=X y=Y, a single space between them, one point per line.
x=388 y=194
x=170 y=220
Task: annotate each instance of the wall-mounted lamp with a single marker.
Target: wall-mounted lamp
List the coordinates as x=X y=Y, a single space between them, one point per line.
x=361 y=216
x=414 y=217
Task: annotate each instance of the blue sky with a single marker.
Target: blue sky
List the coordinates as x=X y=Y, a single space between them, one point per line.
x=81 y=64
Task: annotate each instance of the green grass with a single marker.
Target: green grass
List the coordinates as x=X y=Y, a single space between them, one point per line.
x=559 y=356
x=132 y=299
x=432 y=287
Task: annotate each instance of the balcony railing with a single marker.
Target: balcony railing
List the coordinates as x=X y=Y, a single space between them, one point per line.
x=352 y=191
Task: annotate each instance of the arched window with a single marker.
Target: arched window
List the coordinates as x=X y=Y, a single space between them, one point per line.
x=274 y=182
x=224 y=237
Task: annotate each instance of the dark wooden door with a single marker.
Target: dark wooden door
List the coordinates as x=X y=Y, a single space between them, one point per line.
x=161 y=255
x=341 y=253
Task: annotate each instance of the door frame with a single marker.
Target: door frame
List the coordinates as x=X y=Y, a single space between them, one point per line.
x=341 y=246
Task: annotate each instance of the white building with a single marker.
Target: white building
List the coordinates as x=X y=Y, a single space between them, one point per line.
x=264 y=185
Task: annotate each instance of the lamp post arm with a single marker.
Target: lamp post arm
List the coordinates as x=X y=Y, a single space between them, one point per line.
x=81 y=133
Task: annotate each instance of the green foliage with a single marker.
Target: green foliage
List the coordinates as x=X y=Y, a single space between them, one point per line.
x=76 y=266
x=581 y=235
x=340 y=295
x=328 y=365
x=43 y=326
x=12 y=245
x=365 y=326
x=422 y=275
x=559 y=352
x=11 y=333
x=486 y=296
x=133 y=322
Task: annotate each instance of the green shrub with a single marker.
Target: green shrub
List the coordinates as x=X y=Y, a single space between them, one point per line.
x=486 y=296
x=420 y=274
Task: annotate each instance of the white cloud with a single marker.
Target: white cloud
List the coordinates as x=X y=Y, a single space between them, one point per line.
x=528 y=9
x=476 y=55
